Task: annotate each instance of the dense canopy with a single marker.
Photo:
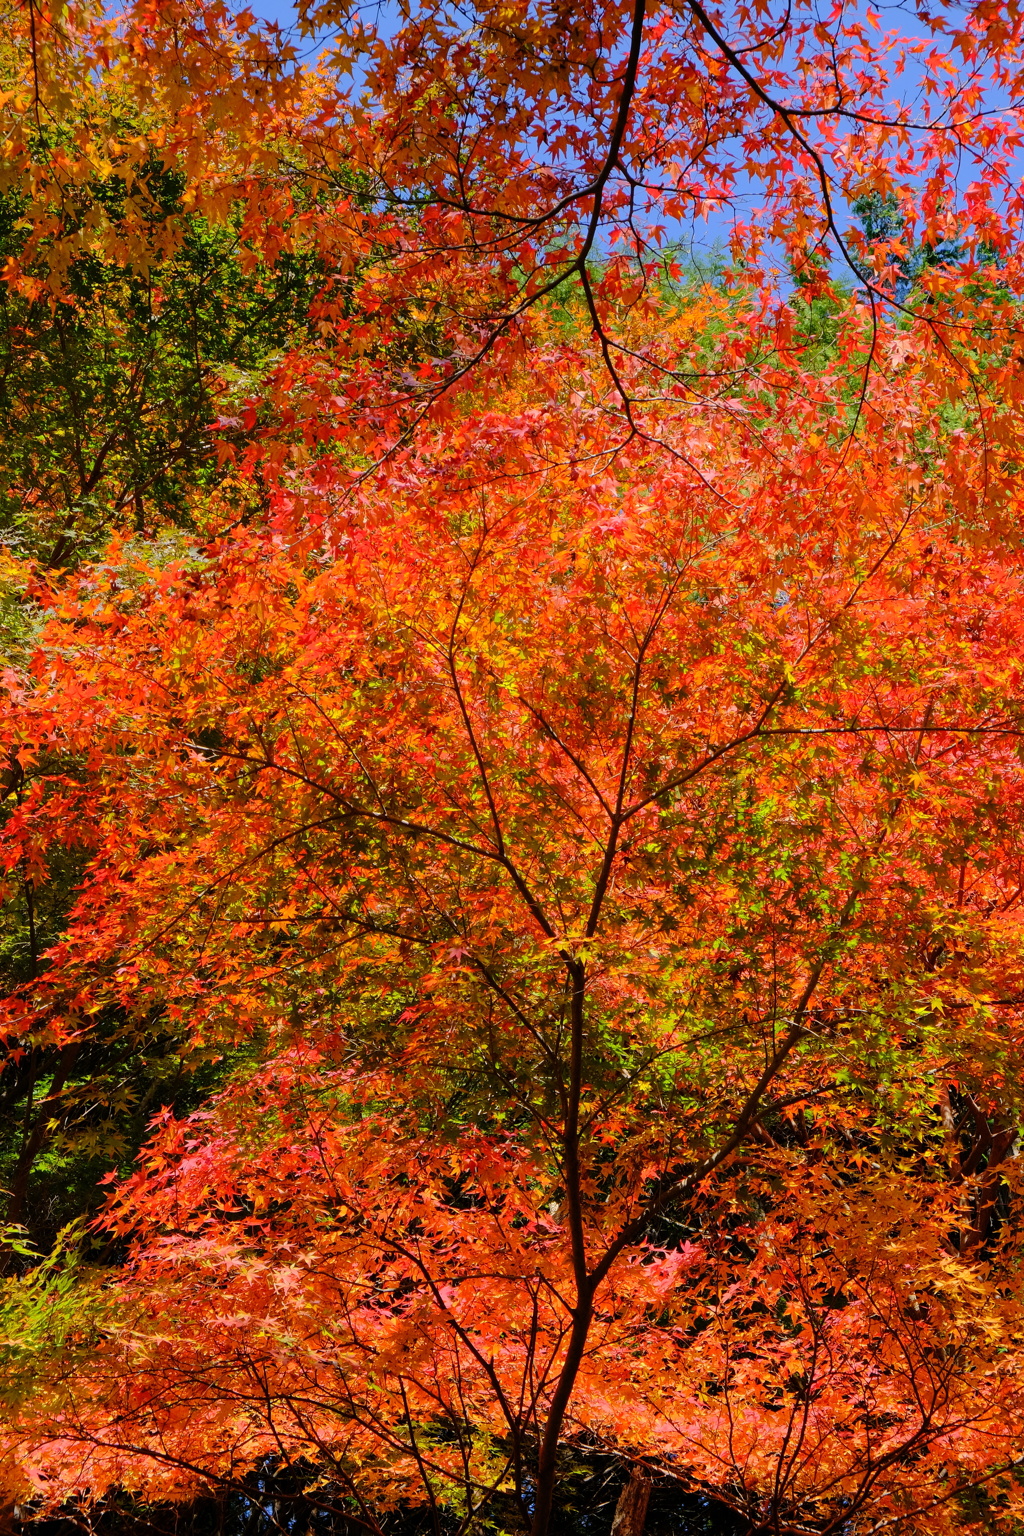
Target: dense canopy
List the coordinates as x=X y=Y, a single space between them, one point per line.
x=514 y=790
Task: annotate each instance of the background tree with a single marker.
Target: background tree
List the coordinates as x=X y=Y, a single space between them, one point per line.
x=138 y=339
x=111 y=394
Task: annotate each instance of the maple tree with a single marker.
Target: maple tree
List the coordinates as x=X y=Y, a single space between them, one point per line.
x=605 y=835
x=577 y=815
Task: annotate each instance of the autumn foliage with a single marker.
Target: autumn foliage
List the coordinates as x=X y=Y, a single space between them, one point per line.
x=556 y=790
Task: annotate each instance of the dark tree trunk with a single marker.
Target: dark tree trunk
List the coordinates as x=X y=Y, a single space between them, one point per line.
x=631 y=1510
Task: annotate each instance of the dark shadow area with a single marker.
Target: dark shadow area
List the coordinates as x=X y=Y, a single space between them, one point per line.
x=281 y=1503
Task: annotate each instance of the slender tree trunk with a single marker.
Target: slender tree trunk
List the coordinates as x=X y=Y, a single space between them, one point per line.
x=583 y=1312
x=631 y=1510
x=36 y=1137
x=547 y=1461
